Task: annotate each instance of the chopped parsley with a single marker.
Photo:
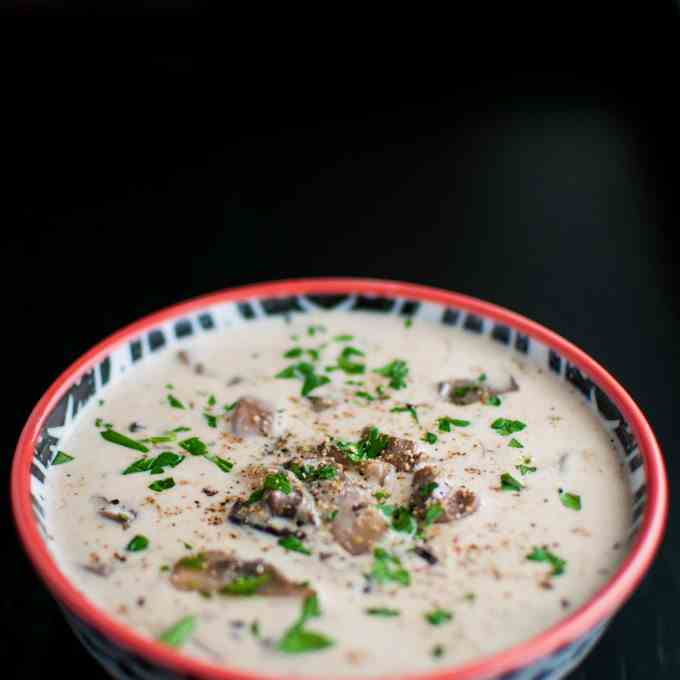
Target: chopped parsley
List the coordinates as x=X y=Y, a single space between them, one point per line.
x=430 y=438
x=343 y=338
x=371 y=446
x=179 y=633
x=61 y=458
x=408 y=408
x=222 y=463
x=425 y=491
x=544 y=555
x=294 y=544
x=155 y=466
x=570 y=500
x=402 y=520
x=444 y=423
x=382 y=611
x=174 y=402
x=210 y=419
x=387 y=567
x=293 y=353
x=438 y=616
x=194 y=562
x=273 y=482
x=230 y=407
x=509 y=483
x=182 y=429
x=408 y=323
x=138 y=543
x=160 y=439
x=346 y=364
x=245 y=586
x=515 y=444
x=432 y=514
x=194 y=446
x=309 y=473
x=120 y=439
x=211 y=400
x=162 y=484
x=313 y=330
x=297 y=639
x=525 y=467
x=364 y=395
x=304 y=371
x=396 y=371
x=381 y=495
x=493 y=400
x=505 y=427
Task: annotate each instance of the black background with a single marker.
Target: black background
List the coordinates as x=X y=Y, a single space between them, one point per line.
x=137 y=176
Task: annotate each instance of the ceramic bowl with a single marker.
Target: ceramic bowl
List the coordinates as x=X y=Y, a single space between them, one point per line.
x=127 y=654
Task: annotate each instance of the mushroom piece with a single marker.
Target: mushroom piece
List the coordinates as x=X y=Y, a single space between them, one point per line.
x=252 y=417
x=463 y=391
x=117 y=512
x=431 y=488
x=319 y=404
x=358 y=524
x=401 y=453
x=217 y=571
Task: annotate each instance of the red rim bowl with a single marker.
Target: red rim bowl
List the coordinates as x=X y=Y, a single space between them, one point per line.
x=602 y=605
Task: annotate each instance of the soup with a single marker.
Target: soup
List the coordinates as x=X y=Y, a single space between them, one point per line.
x=338 y=491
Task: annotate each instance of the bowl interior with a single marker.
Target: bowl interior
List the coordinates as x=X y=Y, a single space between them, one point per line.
x=169 y=330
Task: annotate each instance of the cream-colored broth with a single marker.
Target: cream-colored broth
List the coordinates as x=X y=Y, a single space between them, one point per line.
x=497 y=597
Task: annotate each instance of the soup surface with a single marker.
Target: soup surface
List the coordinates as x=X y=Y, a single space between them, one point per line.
x=340 y=494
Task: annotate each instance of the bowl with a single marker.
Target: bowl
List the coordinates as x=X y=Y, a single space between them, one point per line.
x=548 y=656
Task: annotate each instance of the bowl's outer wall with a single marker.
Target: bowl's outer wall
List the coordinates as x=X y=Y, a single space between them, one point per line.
x=546 y=655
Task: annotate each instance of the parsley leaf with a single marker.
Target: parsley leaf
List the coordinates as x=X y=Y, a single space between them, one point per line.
x=294 y=544
x=387 y=567
x=525 y=467
x=493 y=400
x=346 y=364
x=402 y=520
x=308 y=473
x=343 y=338
x=297 y=639
x=210 y=419
x=408 y=408
x=162 y=484
x=438 y=616
x=509 y=483
x=515 y=444
x=273 y=482
x=544 y=555
x=245 y=586
x=174 y=402
x=138 y=543
x=425 y=491
x=432 y=514
x=505 y=427
x=61 y=458
x=179 y=633
x=194 y=446
x=382 y=611
x=371 y=446
x=120 y=439
x=305 y=372
x=364 y=395
x=293 y=353
x=408 y=323
x=222 y=463
x=570 y=500
x=430 y=438
x=396 y=371
x=444 y=423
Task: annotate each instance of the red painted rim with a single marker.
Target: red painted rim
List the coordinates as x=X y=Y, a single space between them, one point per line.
x=602 y=605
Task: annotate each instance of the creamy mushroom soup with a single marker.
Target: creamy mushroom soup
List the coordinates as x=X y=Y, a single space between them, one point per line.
x=339 y=494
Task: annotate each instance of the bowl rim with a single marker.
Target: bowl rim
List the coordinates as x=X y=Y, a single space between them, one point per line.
x=599 y=607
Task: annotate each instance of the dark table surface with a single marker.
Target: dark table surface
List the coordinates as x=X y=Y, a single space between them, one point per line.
x=138 y=182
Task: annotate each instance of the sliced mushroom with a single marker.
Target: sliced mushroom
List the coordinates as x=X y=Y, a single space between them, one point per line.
x=358 y=524
x=463 y=391
x=402 y=453
x=217 y=571
x=101 y=569
x=252 y=417
x=429 y=488
x=117 y=512
x=379 y=472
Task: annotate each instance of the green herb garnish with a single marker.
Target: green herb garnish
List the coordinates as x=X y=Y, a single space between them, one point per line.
x=343 y=338
x=194 y=446
x=408 y=323
x=294 y=544
x=515 y=444
x=313 y=330
x=432 y=514
x=182 y=429
x=138 y=543
x=544 y=555
x=408 y=408
x=402 y=520
x=245 y=586
x=381 y=495
x=230 y=407
x=570 y=500
x=430 y=438
x=162 y=484
x=293 y=353
x=505 y=427
x=493 y=400
x=179 y=633
x=297 y=639
x=273 y=482
x=305 y=372
x=120 y=439
x=382 y=611
x=346 y=364
x=438 y=616
x=525 y=467
x=396 y=371
x=387 y=567
x=308 y=473
x=425 y=491
x=509 y=483
x=174 y=402
x=364 y=395
x=61 y=458
x=444 y=423
x=210 y=419
x=222 y=463
x=371 y=446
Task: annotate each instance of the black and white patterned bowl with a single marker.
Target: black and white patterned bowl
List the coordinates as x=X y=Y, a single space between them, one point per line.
x=126 y=654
